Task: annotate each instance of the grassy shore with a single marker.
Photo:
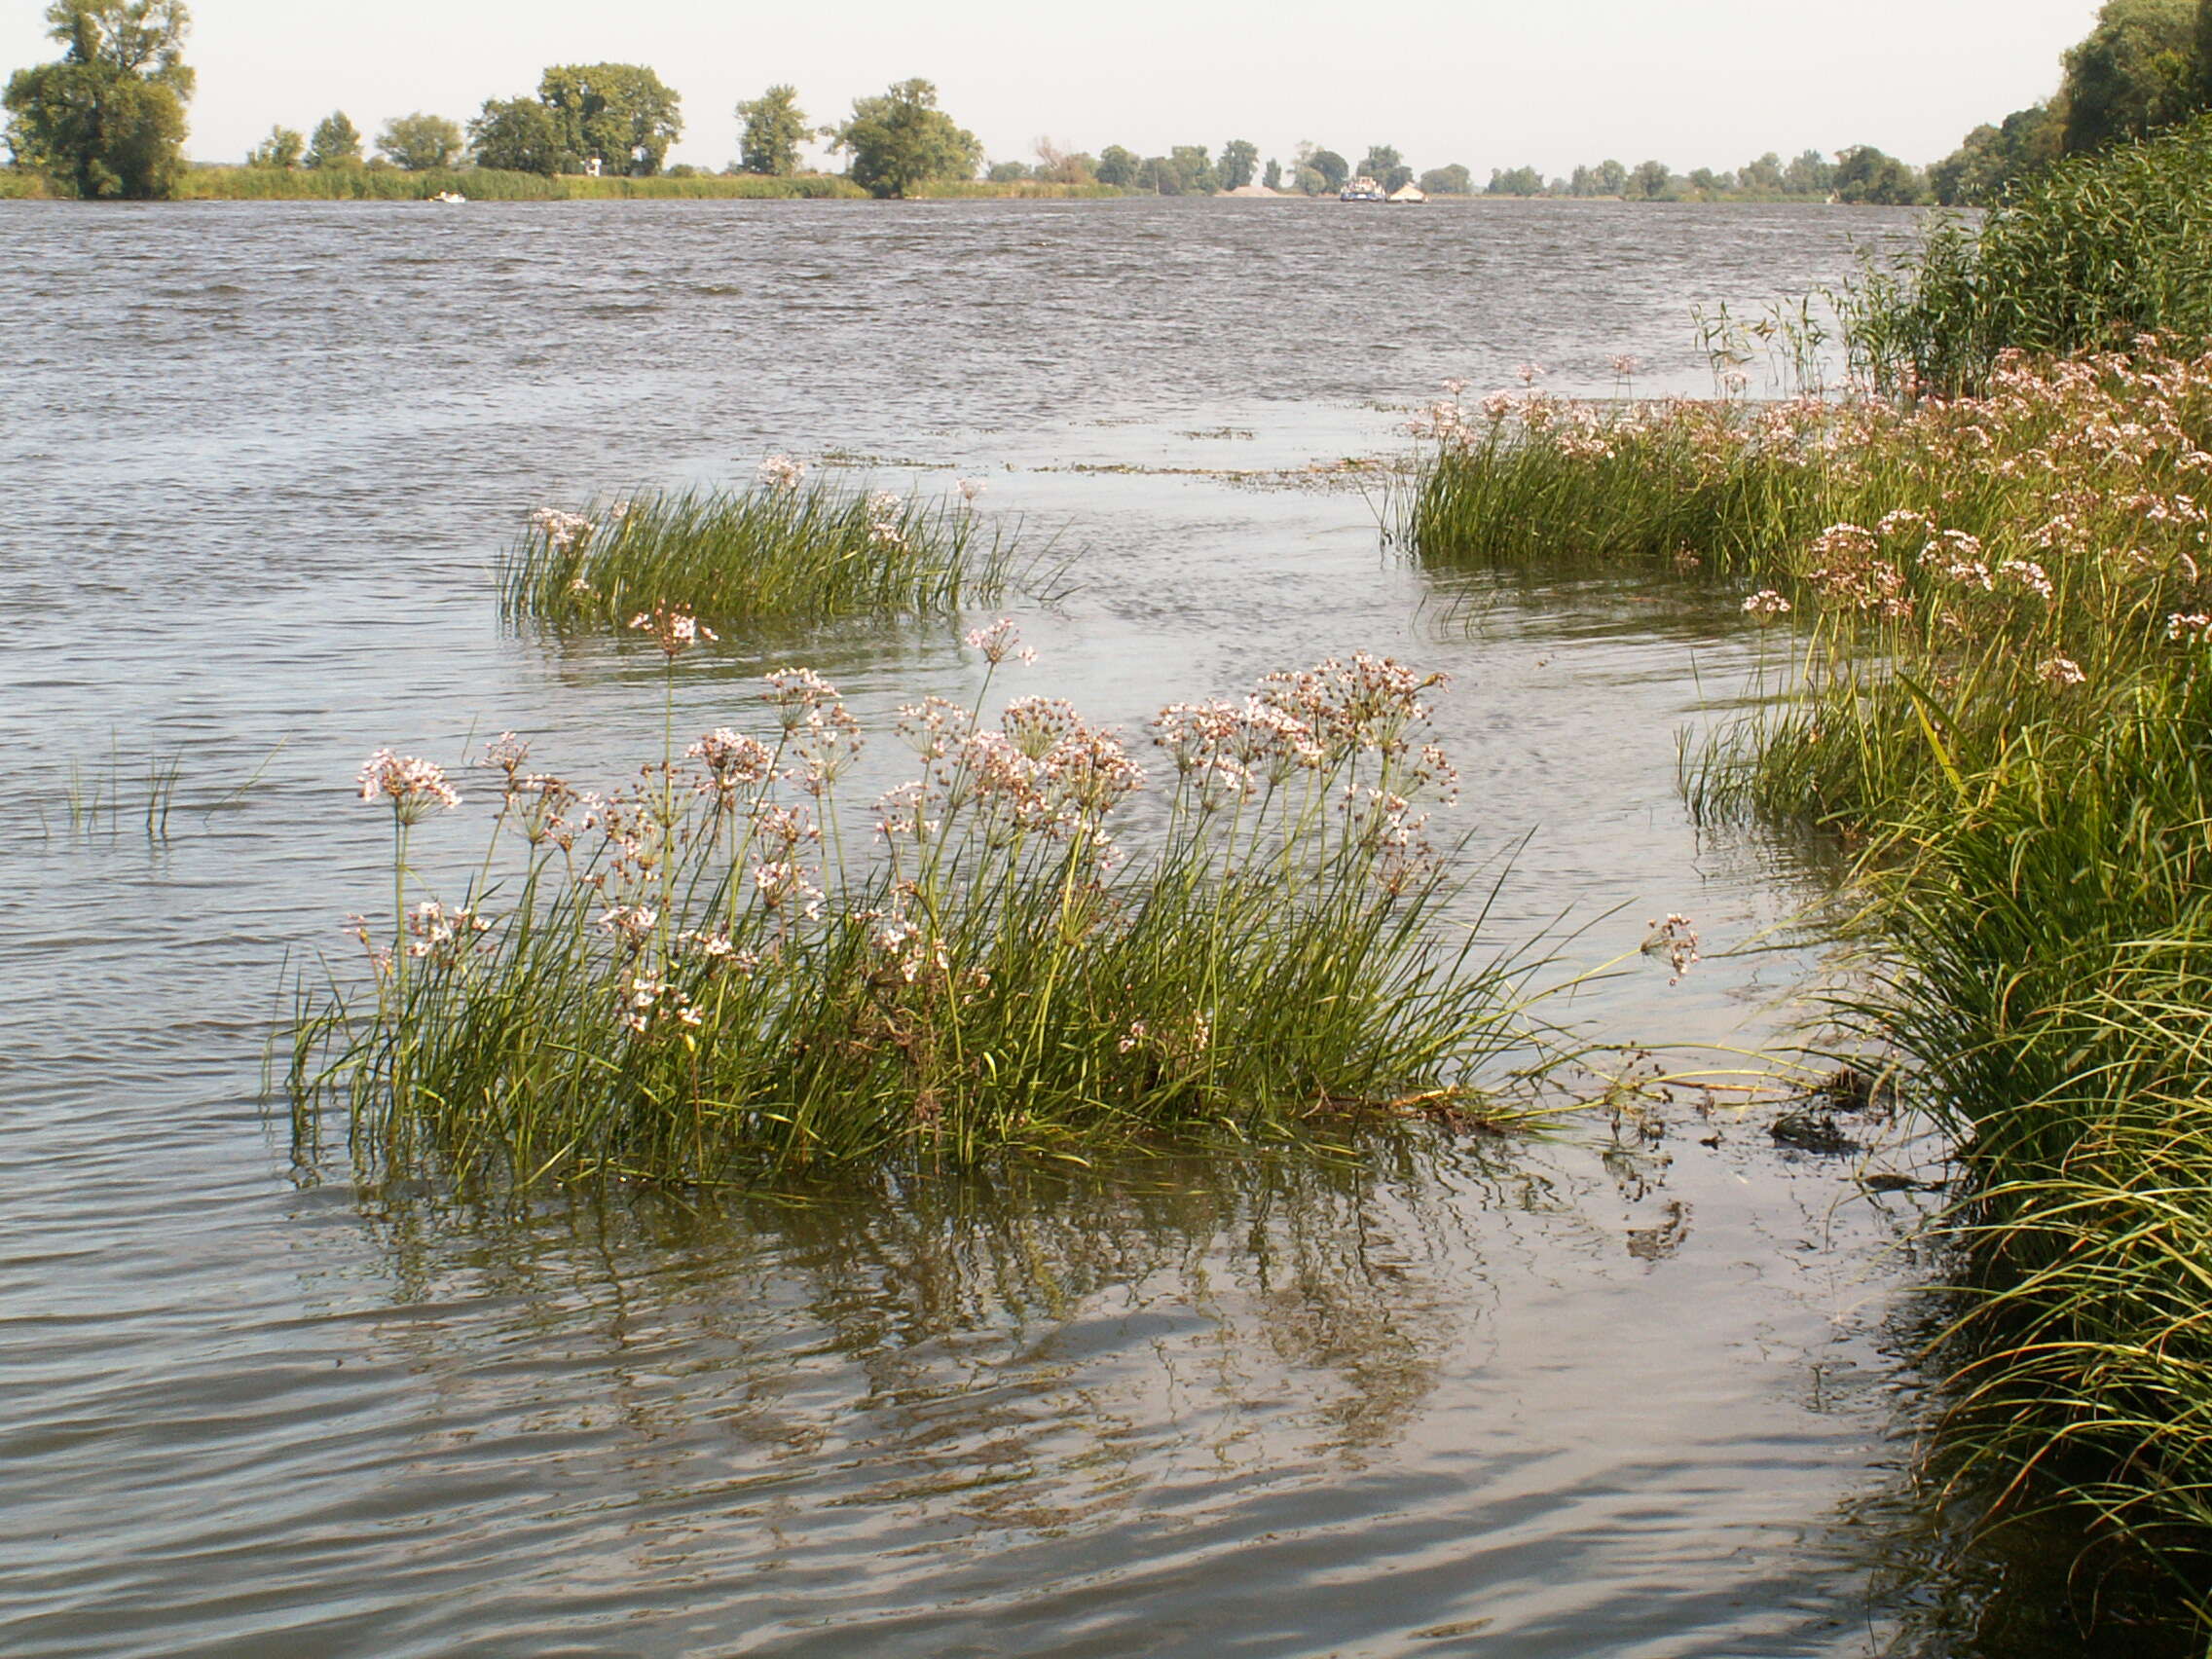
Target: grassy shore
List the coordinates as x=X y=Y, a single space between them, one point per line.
x=1999 y=613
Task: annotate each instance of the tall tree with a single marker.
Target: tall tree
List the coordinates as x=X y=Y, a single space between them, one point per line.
x=775 y=127
x=420 y=142
x=336 y=142
x=1194 y=169
x=1240 y=164
x=2136 y=71
x=620 y=115
x=899 y=139
x=1272 y=177
x=1385 y=167
x=1648 y=182
x=282 y=148
x=108 y=119
x=519 y=135
x=1865 y=176
x=1810 y=174
x=1333 y=168
x=1119 y=167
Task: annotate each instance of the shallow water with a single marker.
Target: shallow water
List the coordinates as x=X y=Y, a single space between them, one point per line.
x=1631 y=1396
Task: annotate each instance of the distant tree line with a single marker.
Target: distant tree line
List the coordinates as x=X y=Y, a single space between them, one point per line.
x=107 y=120
x=2144 y=65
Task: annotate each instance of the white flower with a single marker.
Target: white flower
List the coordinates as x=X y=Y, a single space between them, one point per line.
x=413 y=786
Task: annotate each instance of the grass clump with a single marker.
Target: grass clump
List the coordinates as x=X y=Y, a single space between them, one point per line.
x=782 y=550
x=695 y=979
x=2083 y=257
x=2000 y=621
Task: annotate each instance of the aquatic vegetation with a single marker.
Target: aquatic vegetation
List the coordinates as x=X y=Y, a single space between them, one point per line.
x=2082 y=256
x=1998 y=610
x=784 y=549
x=696 y=978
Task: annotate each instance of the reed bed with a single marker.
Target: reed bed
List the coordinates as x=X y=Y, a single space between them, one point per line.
x=2083 y=257
x=785 y=549
x=1999 y=625
x=696 y=979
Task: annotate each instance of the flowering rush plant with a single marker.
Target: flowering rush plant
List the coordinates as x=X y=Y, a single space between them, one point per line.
x=1057 y=929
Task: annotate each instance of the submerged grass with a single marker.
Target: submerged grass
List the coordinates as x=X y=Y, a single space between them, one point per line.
x=1999 y=620
x=784 y=549
x=696 y=979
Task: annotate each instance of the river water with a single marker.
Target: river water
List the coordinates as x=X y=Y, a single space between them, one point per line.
x=1633 y=1393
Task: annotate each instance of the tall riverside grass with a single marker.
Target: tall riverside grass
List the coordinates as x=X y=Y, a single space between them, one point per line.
x=696 y=979
x=1999 y=614
x=2083 y=257
x=783 y=549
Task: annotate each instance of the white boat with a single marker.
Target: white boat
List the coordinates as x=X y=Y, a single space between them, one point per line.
x=449 y=196
x=1362 y=189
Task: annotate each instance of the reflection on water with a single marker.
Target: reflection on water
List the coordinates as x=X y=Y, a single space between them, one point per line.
x=1594 y=1397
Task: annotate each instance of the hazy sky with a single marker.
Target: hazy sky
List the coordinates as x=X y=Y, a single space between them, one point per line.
x=1490 y=83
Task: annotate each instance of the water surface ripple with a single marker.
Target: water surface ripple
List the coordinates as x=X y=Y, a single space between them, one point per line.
x=1566 y=1400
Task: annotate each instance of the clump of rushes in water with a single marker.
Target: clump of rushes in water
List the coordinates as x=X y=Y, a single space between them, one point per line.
x=2001 y=611
x=693 y=977
x=785 y=549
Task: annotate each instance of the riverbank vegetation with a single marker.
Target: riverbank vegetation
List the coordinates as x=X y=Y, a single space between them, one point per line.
x=603 y=130
x=1999 y=608
x=696 y=979
x=486 y=184
x=2144 y=66
x=785 y=550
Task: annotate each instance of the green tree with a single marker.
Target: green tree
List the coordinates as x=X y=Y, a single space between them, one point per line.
x=336 y=142
x=900 y=140
x=1240 y=164
x=1515 y=181
x=1706 y=182
x=2202 y=52
x=1272 y=179
x=1994 y=159
x=282 y=148
x=1763 y=174
x=1007 y=173
x=1119 y=167
x=1866 y=177
x=108 y=119
x=1451 y=181
x=775 y=128
x=620 y=115
x=1194 y=169
x=2137 y=71
x=420 y=142
x=1333 y=168
x=1385 y=167
x=1810 y=174
x=519 y=135
x=1648 y=182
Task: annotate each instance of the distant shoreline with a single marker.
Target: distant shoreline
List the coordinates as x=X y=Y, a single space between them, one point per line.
x=214 y=182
